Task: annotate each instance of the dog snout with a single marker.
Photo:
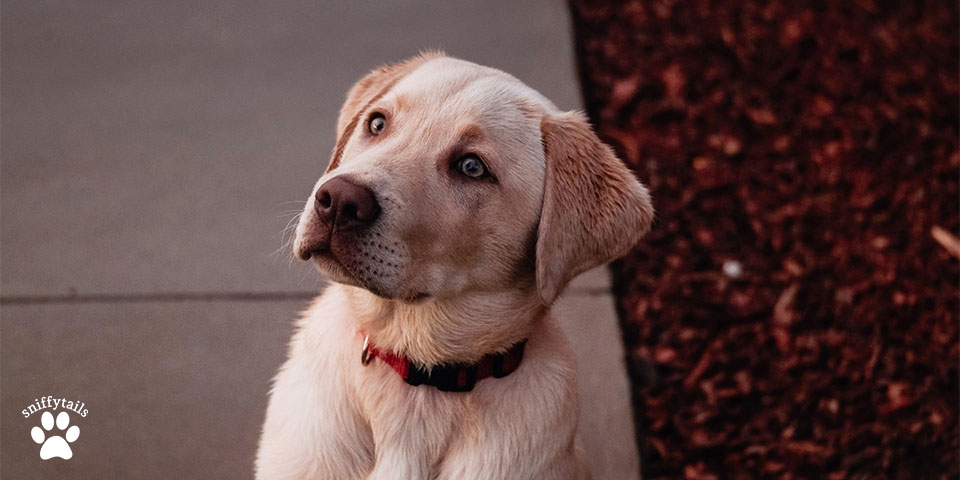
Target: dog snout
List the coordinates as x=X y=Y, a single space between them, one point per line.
x=343 y=204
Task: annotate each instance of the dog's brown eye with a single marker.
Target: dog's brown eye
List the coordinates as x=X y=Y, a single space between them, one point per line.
x=471 y=166
x=377 y=123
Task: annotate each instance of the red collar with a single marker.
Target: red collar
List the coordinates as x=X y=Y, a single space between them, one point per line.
x=456 y=377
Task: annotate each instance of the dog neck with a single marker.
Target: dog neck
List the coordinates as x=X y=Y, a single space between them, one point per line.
x=442 y=331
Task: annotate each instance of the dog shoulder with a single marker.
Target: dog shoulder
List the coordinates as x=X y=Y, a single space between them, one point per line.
x=310 y=403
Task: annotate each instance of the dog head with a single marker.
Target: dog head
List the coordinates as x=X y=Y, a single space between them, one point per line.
x=449 y=178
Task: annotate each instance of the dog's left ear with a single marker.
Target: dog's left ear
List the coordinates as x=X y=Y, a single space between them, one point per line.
x=594 y=210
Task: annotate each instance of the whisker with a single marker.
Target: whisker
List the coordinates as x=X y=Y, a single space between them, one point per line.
x=299 y=202
x=287 y=237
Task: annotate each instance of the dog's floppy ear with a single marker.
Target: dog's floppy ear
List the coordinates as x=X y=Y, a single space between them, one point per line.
x=368 y=90
x=594 y=210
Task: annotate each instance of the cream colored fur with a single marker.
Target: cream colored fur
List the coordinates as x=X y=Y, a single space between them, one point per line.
x=461 y=268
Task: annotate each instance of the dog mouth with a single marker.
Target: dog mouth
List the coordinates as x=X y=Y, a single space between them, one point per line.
x=328 y=262
x=313 y=244
x=354 y=273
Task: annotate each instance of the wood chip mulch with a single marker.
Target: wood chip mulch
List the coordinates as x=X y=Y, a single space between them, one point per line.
x=794 y=312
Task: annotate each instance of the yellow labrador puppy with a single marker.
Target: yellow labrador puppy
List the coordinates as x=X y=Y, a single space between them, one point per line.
x=457 y=206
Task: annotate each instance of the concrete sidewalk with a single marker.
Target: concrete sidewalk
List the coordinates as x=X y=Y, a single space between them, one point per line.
x=151 y=157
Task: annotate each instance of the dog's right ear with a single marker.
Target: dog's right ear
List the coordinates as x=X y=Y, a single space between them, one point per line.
x=368 y=90
x=594 y=209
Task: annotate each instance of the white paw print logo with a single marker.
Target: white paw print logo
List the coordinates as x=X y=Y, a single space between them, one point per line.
x=55 y=445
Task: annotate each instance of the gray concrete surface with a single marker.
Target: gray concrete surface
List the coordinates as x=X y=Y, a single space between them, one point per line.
x=151 y=154
x=173 y=390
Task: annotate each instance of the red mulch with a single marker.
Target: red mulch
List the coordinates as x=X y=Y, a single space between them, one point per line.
x=814 y=147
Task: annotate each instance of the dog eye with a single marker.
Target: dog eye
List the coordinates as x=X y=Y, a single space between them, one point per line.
x=377 y=123
x=471 y=166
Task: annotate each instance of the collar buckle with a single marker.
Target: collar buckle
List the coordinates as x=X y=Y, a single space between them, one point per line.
x=365 y=356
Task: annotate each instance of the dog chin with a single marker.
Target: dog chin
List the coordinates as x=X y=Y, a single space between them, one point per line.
x=327 y=263
x=376 y=290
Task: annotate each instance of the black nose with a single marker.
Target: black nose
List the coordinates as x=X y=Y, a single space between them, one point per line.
x=344 y=204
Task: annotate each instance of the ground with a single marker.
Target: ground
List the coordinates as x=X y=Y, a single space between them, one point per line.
x=793 y=313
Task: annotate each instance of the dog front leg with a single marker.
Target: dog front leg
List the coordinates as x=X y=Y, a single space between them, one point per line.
x=397 y=465
x=408 y=445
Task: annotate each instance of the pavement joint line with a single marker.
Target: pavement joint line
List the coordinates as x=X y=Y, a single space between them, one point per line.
x=162 y=297
x=154 y=297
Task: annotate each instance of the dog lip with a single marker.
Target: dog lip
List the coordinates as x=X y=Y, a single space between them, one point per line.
x=412 y=298
x=313 y=246
x=319 y=254
x=306 y=254
x=417 y=297
x=326 y=258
